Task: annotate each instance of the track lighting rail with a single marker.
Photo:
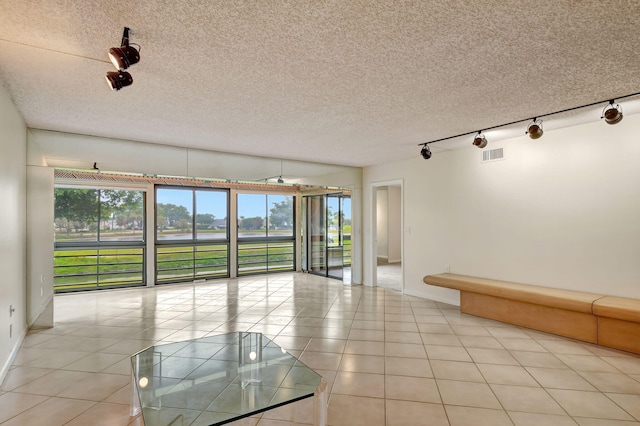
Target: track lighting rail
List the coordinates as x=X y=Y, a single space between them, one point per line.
x=610 y=101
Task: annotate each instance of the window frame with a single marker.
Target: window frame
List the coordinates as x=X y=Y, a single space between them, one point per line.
x=105 y=245
x=193 y=243
x=266 y=240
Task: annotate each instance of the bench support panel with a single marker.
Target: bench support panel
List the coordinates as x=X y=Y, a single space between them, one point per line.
x=619 y=334
x=576 y=325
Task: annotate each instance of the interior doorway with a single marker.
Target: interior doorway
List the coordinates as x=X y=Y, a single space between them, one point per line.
x=388 y=235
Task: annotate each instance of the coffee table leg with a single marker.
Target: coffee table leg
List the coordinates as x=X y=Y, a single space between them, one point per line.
x=320 y=404
x=135 y=399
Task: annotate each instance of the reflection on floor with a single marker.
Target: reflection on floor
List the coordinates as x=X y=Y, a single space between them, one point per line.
x=390 y=359
x=346 y=278
x=389 y=275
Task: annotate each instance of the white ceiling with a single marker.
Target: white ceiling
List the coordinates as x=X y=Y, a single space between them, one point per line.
x=349 y=82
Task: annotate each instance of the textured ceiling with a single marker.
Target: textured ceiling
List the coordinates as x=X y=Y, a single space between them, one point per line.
x=336 y=81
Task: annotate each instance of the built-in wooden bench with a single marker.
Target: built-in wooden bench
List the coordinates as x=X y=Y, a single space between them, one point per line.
x=605 y=320
x=618 y=323
x=562 y=312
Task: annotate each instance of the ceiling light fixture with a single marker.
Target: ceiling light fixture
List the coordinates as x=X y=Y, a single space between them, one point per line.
x=535 y=129
x=480 y=141
x=124 y=56
x=280 y=180
x=425 y=151
x=279 y=177
x=612 y=114
x=118 y=79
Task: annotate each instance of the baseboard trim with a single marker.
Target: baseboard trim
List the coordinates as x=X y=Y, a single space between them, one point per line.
x=12 y=355
x=449 y=301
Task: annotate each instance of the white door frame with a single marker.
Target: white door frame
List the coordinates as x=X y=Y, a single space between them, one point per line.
x=373 y=188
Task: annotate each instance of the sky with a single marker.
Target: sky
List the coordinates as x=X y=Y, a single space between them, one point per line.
x=214 y=202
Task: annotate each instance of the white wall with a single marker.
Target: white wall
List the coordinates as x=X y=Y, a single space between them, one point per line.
x=117 y=155
x=40 y=241
x=562 y=211
x=382 y=223
x=426 y=221
x=389 y=223
x=394 y=224
x=12 y=219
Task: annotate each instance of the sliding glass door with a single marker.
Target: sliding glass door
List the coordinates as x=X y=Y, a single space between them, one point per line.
x=316 y=234
x=335 y=247
x=325 y=236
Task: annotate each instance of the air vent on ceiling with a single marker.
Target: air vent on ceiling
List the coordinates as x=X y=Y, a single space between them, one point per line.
x=495 y=154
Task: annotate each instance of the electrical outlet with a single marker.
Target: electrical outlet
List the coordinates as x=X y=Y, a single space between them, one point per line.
x=446 y=269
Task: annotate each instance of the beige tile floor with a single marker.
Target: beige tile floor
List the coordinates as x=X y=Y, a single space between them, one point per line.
x=389 y=359
x=389 y=275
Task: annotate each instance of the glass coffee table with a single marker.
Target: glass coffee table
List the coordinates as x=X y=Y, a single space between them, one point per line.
x=220 y=379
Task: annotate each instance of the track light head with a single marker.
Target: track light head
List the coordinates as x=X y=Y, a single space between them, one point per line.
x=280 y=180
x=480 y=141
x=535 y=129
x=425 y=152
x=118 y=79
x=124 y=56
x=612 y=114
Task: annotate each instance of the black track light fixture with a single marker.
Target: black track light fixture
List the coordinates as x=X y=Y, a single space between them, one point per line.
x=612 y=114
x=480 y=141
x=535 y=129
x=124 y=56
x=425 y=152
x=118 y=79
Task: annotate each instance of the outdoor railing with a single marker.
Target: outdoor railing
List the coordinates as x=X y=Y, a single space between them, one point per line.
x=189 y=262
x=261 y=256
x=80 y=268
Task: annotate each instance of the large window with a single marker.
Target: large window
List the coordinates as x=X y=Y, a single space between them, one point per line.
x=99 y=238
x=266 y=233
x=192 y=236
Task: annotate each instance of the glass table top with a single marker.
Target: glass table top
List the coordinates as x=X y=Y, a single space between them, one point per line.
x=216 y=380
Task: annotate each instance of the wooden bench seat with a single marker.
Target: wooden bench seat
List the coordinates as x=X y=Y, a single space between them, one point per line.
x=563 y=312
x=618 y=322
x=605 y=320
